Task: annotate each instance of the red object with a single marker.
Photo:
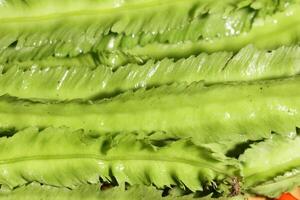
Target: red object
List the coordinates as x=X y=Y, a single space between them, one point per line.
x=287 y=196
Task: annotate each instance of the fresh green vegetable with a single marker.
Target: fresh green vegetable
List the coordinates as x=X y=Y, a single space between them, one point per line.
x=61 y=157
x=67 y=79
x=205 y=113
x=279 y=29
x=68 y=28
x=60 y=81
x=178 y=98
x=272 y=167
x=188 y=27
x=35 y=191
x=277 y=185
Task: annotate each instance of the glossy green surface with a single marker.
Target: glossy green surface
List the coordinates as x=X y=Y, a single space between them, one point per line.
x=235 y=111
x=169 y=29
x=272 y=167
x=61 y=157
x=280 y=29
x=201 y=94
x=82 y=78
x=68 y=28
x=35 y=191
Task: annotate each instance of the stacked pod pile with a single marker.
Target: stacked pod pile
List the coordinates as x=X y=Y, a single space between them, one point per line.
x=149 y=99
